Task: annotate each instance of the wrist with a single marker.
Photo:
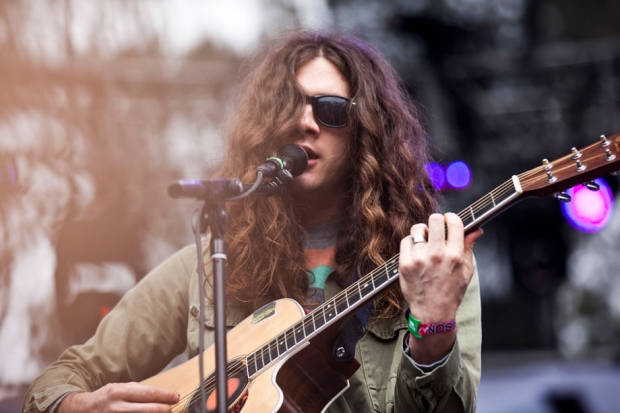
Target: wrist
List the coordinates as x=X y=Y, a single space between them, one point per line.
x=431 y=349
x=419 y=328
x=70 y=403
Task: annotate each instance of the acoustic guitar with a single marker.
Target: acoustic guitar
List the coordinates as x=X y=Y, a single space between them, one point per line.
x=280 y=359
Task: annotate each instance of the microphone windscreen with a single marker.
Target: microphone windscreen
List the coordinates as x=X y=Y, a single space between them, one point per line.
x=295 y=158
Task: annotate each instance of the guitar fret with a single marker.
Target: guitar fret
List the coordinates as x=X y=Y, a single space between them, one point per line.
x=382 y=276
x=259 y=362
x=329 y=311
x=266 y=355
x=290 y=339
x=281 y=344
x=321 y=321
x=342 y=305
x=488 y=203
x=273 y=349
x=260 y=357
x=299 y=332
x=251 y=369
x=366 y=288
x=394 y=270
x=308 y=326
x=354 y=297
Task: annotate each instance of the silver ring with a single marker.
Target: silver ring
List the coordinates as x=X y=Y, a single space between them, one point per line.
x=418 y=238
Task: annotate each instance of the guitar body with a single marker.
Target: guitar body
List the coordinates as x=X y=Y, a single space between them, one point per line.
x=307 y=380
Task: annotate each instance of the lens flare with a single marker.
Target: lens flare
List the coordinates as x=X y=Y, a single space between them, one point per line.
x=589 y=211
x=458 y=175
x=436 y=174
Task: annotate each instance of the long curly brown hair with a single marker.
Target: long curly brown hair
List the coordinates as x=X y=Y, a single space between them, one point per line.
x=389 y=187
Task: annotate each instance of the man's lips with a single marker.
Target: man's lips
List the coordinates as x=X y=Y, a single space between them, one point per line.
x=312 y=155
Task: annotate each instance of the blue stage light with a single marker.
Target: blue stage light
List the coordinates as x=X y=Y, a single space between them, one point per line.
x=446 y=177
x=458 y=175
x=589 y=211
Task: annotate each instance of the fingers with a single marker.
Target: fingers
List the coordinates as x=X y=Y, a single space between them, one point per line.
x=419 y=232
x=470 y=239
x=442 y=230
x=455 y=229
x=140 y=393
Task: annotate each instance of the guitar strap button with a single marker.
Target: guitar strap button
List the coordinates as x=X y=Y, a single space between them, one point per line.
x=340 y=352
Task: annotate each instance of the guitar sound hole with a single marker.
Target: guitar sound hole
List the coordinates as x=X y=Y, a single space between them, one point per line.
x=237 y=381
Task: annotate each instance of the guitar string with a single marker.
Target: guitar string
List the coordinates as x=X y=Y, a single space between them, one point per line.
x=487 y=200
x=571 y=161
x=499 y=192
x=239 y=366
x=209 y=385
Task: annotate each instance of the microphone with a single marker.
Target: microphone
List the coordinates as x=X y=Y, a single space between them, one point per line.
x=291 y=157
x=290 y=162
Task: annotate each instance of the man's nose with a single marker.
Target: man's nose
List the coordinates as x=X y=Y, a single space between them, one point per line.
x=307 y=123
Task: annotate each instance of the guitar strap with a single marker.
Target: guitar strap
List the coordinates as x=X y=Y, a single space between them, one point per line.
x=352 y=330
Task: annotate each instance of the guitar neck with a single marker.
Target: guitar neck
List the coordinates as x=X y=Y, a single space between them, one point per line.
x=368 y=287
x=579 y=166
x=490 y=205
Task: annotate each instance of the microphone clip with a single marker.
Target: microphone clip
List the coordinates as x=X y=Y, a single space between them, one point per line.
x=271 y=167
x=276 y=185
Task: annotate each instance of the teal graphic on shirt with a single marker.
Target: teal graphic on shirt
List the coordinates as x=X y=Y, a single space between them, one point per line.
x=316 y=291
x=319 y=249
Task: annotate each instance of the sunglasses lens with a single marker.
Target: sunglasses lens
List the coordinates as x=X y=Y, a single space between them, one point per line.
x=331 y=111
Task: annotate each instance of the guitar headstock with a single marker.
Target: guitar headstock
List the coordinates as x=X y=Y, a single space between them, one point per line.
x=578 y=167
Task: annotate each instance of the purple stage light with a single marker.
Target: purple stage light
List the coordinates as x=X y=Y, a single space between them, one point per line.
x=458 y=175
x=436 y=174
x=589 y=211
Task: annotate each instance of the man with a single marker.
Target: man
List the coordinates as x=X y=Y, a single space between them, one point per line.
x=351 y=210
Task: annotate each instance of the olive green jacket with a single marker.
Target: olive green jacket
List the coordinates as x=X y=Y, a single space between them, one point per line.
x=158 y=319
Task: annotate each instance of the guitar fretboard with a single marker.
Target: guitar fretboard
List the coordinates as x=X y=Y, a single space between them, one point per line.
x=361 y=292
x=491 y=204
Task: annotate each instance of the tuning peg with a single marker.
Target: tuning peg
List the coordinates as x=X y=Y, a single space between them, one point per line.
x=547 y=167
x=576 y=156
x=609 y=156
x=562 y=196
x=591 y=185
x=604 y=141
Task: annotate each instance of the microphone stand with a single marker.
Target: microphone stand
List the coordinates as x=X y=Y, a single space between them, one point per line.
x=213 y=214
x=215 y=193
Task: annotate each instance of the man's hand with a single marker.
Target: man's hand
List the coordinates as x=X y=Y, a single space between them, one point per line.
x=121 y=397
x=434 y=276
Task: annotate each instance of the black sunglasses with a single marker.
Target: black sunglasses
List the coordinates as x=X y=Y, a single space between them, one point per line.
x=330 y=110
